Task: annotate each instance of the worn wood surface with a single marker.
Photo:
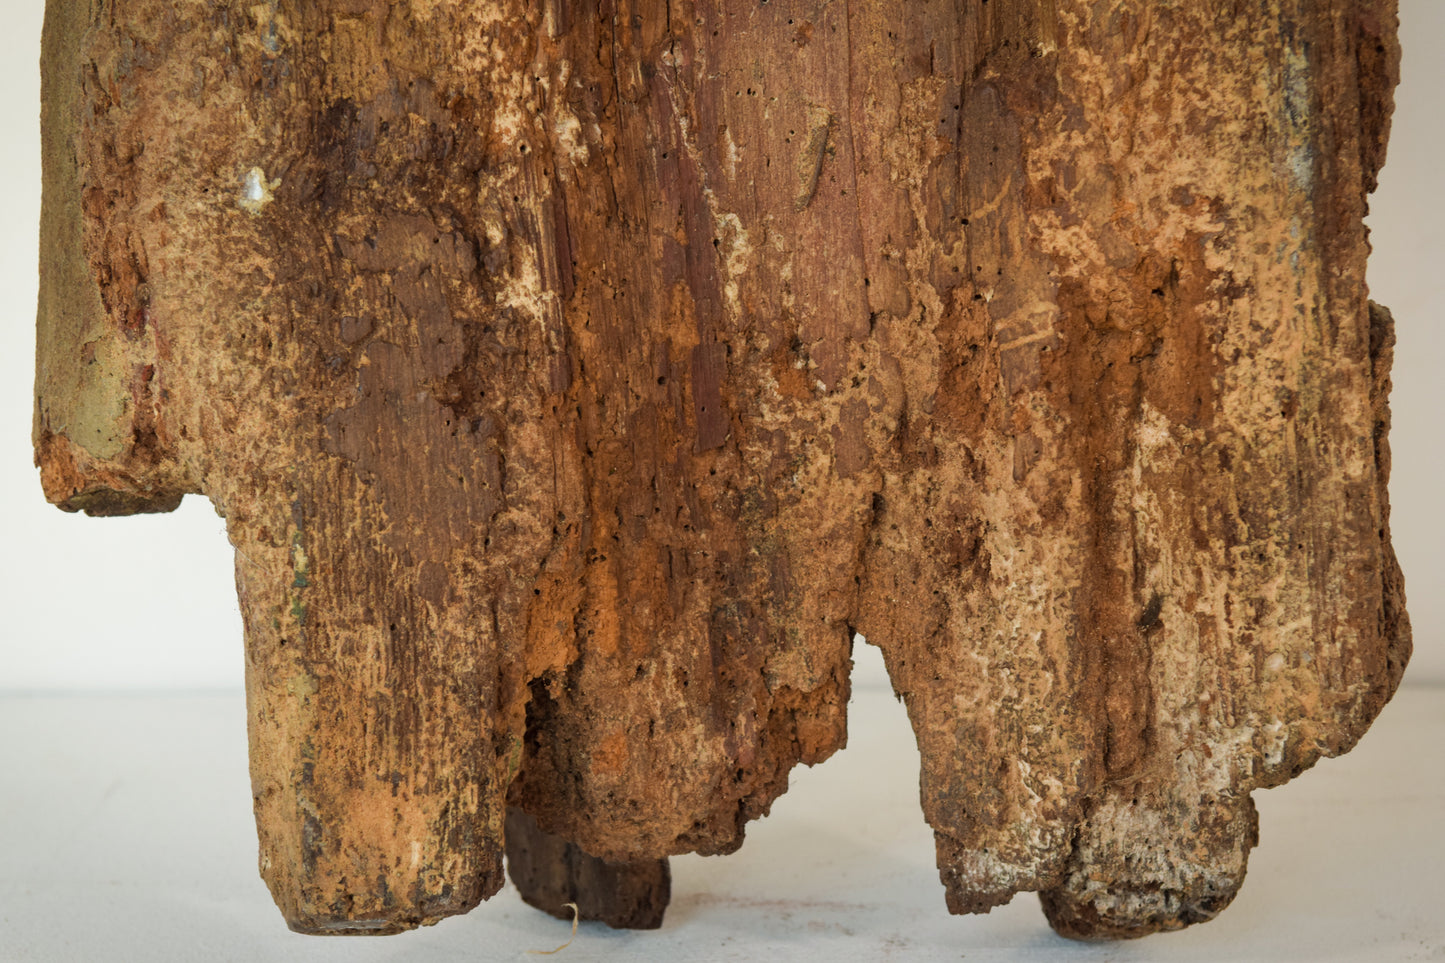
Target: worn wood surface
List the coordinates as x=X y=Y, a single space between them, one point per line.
x=556 y=876
x=575 y=378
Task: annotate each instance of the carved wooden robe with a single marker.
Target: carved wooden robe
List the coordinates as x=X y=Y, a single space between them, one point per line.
x=576 y=378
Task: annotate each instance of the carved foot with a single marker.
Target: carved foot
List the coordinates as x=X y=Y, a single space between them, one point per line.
x=1139 y=869
x=551 y=872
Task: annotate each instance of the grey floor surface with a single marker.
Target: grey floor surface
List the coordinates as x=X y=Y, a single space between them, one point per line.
x=126 y=834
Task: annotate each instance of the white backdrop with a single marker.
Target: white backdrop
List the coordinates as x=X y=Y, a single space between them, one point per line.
x=147 y=603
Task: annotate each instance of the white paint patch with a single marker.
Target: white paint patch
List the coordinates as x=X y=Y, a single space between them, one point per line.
x=569 y=138
x=1152 y=431
x=737 y=249
x=256 y=191
x=1275 y=735
x=521 y=286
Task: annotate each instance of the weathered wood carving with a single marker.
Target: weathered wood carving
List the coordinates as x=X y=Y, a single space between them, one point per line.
x=576 y=376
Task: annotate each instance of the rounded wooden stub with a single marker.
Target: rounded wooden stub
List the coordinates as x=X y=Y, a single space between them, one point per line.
x=551 y=873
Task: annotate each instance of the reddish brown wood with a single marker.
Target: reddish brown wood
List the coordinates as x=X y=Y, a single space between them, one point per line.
x=576 y=377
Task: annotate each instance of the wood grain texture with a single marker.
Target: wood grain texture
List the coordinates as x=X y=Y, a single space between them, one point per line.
x=576 y=378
